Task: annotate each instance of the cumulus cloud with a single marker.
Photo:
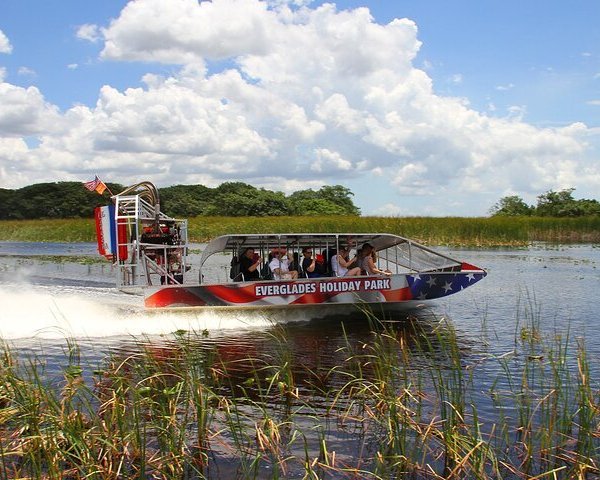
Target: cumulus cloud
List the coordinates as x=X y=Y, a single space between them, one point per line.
x=5 y=46
x=24 y=111
x=283 y=96
x=89 y=32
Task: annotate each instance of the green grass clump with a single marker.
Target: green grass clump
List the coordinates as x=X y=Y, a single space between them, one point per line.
x=456 y=231
x=399 y=400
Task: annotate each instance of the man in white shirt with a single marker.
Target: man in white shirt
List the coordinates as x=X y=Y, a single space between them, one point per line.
x=280 y=267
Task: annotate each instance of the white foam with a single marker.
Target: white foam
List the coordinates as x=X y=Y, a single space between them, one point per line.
x=52 y=312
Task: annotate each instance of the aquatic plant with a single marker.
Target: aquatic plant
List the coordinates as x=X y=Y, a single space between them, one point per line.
x=399 y=398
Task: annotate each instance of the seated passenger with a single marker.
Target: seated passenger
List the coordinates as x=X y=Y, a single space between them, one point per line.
x=341 y=264
x=249 y=264
x=280 y=267
x=294 y=262
x=366 y=263
x=309 y=264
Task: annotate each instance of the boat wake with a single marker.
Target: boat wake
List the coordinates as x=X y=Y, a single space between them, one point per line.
x=46 y=312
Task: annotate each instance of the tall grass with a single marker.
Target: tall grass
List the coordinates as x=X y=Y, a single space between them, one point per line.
x=492 y=231
x=403 y=400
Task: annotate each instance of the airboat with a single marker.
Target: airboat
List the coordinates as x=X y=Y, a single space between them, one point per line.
x=151 y=255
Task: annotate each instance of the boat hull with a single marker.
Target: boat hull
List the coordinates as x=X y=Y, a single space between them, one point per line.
x=314 y=291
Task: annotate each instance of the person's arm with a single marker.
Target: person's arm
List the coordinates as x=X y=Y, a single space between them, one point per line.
x=373 y=268
x=311 y=267
x=342 y=261
x=274 y=269
x=255 y=265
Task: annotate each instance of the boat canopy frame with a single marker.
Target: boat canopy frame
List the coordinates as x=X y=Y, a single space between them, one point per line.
x=392 y=249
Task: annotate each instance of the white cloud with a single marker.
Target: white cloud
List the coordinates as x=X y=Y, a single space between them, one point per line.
x=303 y=96
x=390 y=210
x=90 y=32
x=26 y=72
x=5 y=46
x=23 y=111
x=330 y=163
x=594 y=102
x=186 y=31
x=295 y=3
x=504 y=88
x=13 y=156
x=456 y=79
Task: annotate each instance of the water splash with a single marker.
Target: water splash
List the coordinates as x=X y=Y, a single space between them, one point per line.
x=59 y=312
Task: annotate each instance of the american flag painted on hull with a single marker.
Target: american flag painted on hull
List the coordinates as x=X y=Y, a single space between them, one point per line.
x=436 y=285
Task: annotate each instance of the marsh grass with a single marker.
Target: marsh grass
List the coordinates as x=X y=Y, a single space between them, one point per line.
x=456 y=231
x=405 y=400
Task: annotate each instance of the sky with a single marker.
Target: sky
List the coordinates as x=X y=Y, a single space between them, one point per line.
x=419 y=107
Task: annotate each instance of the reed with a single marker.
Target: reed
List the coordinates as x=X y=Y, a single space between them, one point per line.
x=402 y=399
x=456 y=231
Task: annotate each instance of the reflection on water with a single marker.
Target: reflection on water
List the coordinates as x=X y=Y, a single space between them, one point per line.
x=326 y=374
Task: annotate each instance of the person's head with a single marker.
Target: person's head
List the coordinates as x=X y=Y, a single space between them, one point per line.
x=366 y=249
x=343 y=250
x=307 y=252
x=249 y=252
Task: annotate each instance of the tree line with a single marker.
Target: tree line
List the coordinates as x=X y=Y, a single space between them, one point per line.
x=549 y=204
x=72 y=200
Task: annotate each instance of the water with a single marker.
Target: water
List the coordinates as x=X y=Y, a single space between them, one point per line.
x=51 y=293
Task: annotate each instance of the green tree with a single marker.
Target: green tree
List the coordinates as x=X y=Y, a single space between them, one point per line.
x=249 y=202
x=186 y=200
x=511 y=205
x=341 y=196
x=54 y=200
x=589 y=207
x=70 y=199
x=558 y=204
x=7 y=198
x=328 y=200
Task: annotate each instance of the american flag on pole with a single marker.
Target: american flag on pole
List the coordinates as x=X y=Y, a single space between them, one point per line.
x=95 y=185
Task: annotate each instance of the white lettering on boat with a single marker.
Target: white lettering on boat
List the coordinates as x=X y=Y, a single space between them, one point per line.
x=323 y=286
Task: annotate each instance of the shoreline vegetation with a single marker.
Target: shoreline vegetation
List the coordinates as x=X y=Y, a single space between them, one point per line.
x=495 y=231
x=400 y=402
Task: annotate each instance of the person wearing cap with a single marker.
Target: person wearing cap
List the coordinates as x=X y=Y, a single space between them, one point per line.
x=280 y=266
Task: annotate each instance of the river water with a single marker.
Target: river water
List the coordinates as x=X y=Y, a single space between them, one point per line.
x=53 y=292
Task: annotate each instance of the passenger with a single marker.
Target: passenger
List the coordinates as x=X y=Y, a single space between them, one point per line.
x=341 y=264
x=280 y=267
x=249 y=263
x=366 y=263
x=309 y=264
x=294 y=262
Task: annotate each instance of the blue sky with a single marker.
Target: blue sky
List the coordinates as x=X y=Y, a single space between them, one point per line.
x=442 y=115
